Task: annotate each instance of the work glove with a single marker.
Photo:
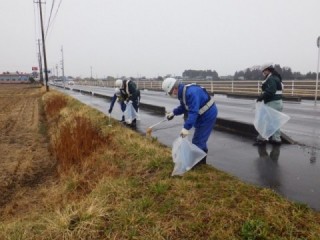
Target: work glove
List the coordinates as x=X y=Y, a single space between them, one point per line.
x=129 y=101
x=110 y=110
x=260 y=99
x=184 y=132
x=170 y=116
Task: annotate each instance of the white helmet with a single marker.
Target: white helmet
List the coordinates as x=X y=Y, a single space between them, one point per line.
x=265 y=66
x=117 y=92
x=118 y=83
x=168 y=84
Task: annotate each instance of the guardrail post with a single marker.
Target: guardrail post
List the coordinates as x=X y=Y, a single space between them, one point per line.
x=232 y=86
x=292 y=88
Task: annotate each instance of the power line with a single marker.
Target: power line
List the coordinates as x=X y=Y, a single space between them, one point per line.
x=53 y=20
x=52 y=5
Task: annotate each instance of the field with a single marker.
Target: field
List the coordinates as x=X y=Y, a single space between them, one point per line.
x=25 y=159
x=65 y=174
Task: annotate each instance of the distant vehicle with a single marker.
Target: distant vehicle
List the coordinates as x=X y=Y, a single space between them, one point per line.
x=70 y=82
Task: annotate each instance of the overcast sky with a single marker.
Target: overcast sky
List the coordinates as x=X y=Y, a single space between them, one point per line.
x=158 y=37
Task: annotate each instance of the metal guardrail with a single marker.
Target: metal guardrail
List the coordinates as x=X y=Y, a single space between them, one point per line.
x=294 y=88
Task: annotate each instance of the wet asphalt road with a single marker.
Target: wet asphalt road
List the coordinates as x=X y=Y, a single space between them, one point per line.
x=291 y=170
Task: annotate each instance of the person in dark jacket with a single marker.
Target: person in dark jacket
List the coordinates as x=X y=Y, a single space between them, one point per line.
x=117 y=97
x=272 y=96
x=200 y=108
x=130 y=93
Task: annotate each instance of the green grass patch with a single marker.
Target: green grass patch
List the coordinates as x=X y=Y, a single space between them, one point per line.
x=254 y=230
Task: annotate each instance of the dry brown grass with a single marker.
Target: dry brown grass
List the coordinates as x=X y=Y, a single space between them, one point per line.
x=24 y=158
x=76 y=141
x=54 y=104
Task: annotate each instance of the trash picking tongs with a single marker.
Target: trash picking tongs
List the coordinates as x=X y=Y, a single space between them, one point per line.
x=149 y=129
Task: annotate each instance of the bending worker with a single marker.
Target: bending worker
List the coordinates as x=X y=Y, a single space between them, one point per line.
x=117 y=97
x=130 y=93
x=200 y=108
x=272 y=97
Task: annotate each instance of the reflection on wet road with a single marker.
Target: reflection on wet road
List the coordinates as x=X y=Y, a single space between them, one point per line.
x=267 y=166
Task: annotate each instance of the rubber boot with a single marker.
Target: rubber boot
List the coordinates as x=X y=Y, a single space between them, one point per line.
x=133 y=125
x=122 y=119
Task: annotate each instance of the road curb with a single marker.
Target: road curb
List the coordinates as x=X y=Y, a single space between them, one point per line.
x=253 y=96
x=244 y=129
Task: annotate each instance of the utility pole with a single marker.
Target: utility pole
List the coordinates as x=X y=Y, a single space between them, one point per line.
x=40 y=63
x=44 y=47
x=91 y=73
x=62 y=66
x=57 y=71
x=316 y=92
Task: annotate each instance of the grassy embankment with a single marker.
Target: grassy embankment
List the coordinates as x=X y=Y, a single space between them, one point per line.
x=115 y=184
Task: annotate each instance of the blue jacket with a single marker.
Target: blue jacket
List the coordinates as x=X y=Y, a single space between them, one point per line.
x=196 y=97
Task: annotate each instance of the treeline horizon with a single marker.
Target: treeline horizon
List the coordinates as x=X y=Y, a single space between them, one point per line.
x=253 y=73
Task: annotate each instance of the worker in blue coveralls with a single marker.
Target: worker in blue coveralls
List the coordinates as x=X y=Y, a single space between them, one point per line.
x=117 y=97
x=130 y=93
x=200 y=108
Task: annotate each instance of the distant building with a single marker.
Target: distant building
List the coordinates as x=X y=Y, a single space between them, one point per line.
x=7 y=77
x=229 y=77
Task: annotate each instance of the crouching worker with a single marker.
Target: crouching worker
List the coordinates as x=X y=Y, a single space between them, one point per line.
x=200 y=108
x=117 y=97
x=129 y=93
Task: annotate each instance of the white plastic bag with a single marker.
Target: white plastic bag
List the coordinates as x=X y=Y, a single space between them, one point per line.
x=130 y=113
x=185 y=155
x=268 y=120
